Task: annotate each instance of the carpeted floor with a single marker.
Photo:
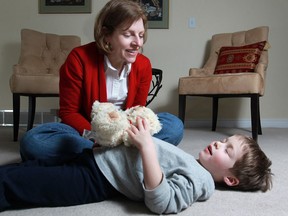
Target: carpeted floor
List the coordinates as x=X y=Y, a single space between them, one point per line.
x=274 y=142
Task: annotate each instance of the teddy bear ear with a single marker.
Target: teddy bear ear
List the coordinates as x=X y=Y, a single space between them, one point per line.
x=96 y=103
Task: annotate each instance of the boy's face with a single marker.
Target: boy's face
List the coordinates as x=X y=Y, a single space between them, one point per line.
x=220 y=156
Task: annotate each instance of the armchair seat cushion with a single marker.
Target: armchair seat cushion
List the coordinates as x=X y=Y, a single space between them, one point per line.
x=34 y=84
x=238 y=83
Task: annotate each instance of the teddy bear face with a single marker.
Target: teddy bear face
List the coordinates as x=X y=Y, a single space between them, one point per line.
x=108 y=123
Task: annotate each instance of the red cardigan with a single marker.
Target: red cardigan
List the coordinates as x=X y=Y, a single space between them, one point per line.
x=82 y=81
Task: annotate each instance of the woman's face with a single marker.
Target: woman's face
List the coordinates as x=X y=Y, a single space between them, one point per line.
x=125 y=44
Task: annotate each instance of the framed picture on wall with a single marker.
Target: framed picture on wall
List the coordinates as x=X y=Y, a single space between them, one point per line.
x=157 y=12
x=64 y=6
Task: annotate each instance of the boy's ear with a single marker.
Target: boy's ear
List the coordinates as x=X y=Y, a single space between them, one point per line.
x=231 y=181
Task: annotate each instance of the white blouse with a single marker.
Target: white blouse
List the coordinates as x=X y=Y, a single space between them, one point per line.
x=117 y=86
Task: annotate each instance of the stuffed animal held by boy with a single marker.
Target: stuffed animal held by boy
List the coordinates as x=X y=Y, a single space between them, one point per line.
x=109 y=124
x=148 y=114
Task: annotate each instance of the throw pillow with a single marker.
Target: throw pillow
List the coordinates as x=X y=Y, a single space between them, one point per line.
x=239 y=59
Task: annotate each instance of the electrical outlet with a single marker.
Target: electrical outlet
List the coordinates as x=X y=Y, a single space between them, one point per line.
x=192 y=22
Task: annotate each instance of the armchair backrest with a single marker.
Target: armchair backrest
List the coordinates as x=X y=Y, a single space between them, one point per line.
x=240 y=38
x=44 y=53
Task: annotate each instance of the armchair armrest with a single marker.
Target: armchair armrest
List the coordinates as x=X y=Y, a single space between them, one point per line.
x=261 y=69
x=200 y=72
x=18 y=69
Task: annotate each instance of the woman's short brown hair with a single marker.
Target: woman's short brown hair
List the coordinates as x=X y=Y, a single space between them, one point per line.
x=115 y=14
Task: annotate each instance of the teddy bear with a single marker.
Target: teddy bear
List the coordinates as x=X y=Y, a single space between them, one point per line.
x=109 y=124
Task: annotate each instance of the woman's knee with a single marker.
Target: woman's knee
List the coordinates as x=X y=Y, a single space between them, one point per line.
x=45 y=131
x=172 y=128
x=42 y=138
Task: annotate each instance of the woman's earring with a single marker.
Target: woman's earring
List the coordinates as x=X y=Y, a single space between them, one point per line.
x=108 y=46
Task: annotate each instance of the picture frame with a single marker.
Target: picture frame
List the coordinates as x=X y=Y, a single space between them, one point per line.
x=64 y=6
x=157 y=12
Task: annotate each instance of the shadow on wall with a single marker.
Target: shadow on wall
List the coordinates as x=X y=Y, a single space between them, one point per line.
x=201 y=107
x=172 y=103
x=10 y=55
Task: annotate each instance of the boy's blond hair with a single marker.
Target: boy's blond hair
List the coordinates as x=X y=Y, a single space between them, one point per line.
x=253 y=168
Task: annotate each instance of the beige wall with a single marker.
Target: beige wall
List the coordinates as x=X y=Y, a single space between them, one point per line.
x=174 y=50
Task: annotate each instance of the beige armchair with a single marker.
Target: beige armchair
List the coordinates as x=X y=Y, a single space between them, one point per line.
x=37 y=72
x=236 y=67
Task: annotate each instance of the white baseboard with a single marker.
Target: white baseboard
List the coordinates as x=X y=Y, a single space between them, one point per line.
x=6 y=119
x=242 y=123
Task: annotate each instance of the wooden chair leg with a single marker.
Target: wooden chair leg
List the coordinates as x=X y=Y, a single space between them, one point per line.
x=182 y=107
x=16 y=115
x=31 y=112
x=255 y=116
x=215 y=113
x=259 y=121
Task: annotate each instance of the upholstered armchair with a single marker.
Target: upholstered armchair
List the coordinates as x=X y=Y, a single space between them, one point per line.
x=236 y=67
x=37 y=71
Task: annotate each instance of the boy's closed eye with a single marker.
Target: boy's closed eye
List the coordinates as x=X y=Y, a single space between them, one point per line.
x=230 y=150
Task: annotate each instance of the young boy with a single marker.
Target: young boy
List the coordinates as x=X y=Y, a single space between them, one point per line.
x=166 y=178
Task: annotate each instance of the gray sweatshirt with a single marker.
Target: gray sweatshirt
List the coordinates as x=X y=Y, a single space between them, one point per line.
x=184 y=180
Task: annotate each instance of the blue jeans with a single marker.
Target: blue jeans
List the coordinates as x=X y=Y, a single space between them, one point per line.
x=52 y=140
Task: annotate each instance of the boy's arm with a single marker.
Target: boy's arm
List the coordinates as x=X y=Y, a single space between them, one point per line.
x=165 y=195
x=142 y=139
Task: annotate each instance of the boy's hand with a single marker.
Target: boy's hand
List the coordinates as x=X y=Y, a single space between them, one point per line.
x=140 y=135
x=142 y=139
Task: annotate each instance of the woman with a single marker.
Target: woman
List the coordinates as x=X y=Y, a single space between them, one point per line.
x=109 y=69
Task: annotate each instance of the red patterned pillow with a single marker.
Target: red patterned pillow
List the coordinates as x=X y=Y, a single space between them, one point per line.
x=239 y=59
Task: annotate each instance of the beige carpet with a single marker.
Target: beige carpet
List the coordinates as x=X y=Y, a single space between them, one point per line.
x=274 y=142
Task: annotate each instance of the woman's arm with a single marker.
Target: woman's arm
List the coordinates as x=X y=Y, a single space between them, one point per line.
x=71 y=98
x=142 y=139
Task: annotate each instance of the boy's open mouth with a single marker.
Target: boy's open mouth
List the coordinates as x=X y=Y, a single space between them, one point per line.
x=210 y=149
